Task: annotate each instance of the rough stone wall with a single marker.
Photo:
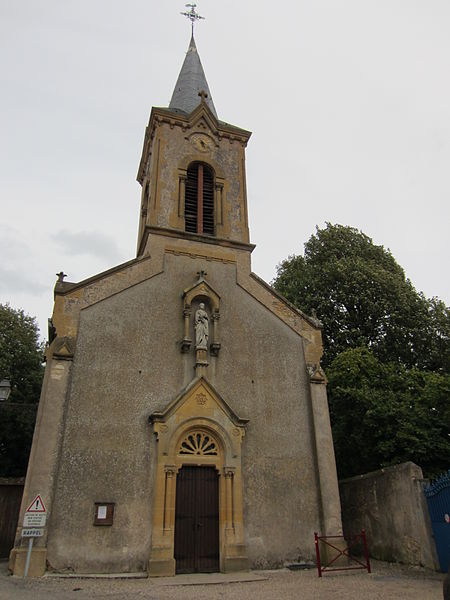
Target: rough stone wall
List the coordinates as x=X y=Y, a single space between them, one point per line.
x=127 y=365
x=175 y=150
x=390 y=505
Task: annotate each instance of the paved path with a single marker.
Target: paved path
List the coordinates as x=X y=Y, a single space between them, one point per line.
x=387 y=582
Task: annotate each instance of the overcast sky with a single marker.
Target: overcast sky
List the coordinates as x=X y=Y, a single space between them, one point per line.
x=348 y=101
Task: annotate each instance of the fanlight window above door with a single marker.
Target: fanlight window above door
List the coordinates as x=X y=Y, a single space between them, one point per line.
x=198 y=443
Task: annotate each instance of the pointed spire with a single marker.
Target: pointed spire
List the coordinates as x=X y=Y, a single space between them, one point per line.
x=191 y=81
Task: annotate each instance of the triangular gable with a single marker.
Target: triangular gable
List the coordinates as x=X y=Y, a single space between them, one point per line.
x=199 y=399
x=202 y=117
x=201 y=288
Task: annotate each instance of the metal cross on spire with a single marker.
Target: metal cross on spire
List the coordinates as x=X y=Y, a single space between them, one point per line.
x=192 y=15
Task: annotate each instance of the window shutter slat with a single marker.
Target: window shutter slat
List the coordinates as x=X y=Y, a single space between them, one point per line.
x=191 y=200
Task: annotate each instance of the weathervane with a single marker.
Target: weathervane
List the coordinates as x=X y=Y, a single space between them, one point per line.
x=192 y=15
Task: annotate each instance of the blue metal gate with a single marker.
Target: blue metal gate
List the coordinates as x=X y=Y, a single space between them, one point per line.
x=438 y=498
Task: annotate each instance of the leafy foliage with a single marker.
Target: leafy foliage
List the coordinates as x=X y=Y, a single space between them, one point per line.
x=386 y=352
x=363 y=298
x=384 y=414
x=21 y=356
x=438 y=336
x=16 y=434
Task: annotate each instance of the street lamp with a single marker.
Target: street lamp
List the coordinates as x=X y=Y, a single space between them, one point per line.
x=5 y=389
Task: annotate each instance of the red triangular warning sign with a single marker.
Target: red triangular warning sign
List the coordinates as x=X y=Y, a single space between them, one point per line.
x=37 y=506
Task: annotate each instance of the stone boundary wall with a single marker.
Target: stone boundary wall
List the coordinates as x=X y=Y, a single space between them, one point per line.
x=390 y=505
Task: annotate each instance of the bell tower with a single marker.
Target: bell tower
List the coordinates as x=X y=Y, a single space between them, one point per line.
x=192 y=169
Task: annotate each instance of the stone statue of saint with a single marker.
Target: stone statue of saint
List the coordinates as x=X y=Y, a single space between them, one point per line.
x=201 y=328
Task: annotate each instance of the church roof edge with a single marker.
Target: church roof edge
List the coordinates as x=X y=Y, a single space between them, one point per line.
x=185 y=115
x=64 y=287
x=316 y=323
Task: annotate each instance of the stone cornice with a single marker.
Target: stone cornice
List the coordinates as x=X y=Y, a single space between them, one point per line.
x=204 y=239
x=175 y=118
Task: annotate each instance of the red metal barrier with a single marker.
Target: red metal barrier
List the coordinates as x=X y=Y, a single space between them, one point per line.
x=351 y=541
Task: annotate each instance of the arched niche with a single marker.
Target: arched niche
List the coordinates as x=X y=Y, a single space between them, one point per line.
x=203 y=292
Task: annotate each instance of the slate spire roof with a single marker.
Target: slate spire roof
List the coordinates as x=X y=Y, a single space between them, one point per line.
x=190 y=82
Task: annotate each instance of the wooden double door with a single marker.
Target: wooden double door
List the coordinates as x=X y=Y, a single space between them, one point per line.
x=197 y=520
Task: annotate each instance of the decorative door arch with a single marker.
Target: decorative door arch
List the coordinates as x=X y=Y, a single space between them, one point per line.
x=198 y=429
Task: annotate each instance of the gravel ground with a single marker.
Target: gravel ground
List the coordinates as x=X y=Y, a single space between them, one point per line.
x=387 y=582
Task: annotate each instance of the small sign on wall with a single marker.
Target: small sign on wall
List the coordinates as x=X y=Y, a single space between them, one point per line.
x=104 y=513
x=37 y=506
x=32 y=532
x=34 y=519
x=36 y=514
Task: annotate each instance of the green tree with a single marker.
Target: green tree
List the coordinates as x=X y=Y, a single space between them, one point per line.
x=386 y=352
x=363 y=298
x=21 y=357
x=438 y=336
x=383 y=414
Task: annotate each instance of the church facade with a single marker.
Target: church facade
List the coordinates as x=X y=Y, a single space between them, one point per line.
x=183 y=424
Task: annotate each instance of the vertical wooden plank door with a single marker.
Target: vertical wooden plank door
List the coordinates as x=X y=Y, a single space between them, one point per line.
x=10 y=498
x=197 y=520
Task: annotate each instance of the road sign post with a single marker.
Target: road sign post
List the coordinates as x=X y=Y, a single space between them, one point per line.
x=27 y=563
x=33 y=521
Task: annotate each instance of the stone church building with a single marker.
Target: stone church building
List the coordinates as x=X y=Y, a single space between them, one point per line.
x=183 y=424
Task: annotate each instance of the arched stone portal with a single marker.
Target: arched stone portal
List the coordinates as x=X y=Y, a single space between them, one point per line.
x=198 y=429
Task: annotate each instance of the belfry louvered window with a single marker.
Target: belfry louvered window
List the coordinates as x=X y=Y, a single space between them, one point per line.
x=199 y=200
